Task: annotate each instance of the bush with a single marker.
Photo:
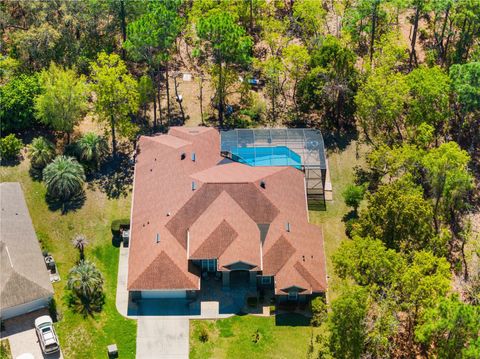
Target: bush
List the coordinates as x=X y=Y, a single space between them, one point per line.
x=256 y=336
x=17 y=110
x=119 y=223
x=10 y=147
x=204 y=336
x=319 y=311
x=353 y=195
x=350 y=226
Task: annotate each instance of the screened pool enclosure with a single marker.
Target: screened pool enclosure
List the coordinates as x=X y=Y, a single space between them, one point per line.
x=300 y=148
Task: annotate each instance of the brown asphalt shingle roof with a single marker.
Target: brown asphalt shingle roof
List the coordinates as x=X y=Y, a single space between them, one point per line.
x=216 y=243
x=23 y=274
x=228 y=216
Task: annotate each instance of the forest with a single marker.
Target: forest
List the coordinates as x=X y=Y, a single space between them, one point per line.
x=401 y=77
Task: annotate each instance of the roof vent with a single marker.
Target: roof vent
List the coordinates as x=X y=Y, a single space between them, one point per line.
x=157 y=238
x=182 y=156
x=193 y=157
x=168 y=214
x=194 y=185
x=263 y=184
x=287 y=226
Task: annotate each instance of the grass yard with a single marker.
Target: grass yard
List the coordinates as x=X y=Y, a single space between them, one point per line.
x=81 y=337
x=233 y=337
x=341 y=166
x=5 y=352
x=251 y=337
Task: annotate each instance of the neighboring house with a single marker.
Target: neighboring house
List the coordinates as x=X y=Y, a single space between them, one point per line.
x=24 y=281
x=195 y=211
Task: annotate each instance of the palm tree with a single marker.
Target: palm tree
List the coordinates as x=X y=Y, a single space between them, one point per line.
x=64 y=177
x=85 y=280
x=41 y=152
x=86 y=283
x=92 y=149
x=79 y=242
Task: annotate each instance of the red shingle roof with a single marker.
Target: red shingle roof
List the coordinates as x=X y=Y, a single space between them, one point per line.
x=221 y=218
x=216 y=243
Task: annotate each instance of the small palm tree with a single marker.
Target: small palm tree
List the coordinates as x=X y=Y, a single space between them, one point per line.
x=41 y=152
x=86 y=283
x=64 y=177
x=85 y=280
x=79 y=242
x=92 y=149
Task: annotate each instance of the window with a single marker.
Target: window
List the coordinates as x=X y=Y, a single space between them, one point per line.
x=209 y=265
x=266 y=280
x=292 y=295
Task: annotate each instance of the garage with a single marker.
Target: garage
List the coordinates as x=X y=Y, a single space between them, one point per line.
x=7 y=313
x=164 y=294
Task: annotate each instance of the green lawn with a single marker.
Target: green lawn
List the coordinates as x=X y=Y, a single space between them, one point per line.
x=341 y=166
x=5 y=352
x=81 y=337
x=232 y=338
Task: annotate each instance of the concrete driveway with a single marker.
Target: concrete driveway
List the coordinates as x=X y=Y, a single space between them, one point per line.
x=20 y=332
x=162 y=338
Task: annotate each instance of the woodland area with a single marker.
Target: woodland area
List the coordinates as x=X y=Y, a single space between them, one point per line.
x=401 y=77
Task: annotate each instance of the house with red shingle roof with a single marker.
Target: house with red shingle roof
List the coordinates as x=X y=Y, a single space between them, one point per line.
x=195 y=212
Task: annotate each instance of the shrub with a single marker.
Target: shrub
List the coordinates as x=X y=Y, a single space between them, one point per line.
x=350 y=226
x=353 y=195
x=41 y=152
x=64 y=178
x=10 y=147
x=91 y=149
x=204 y=336
x=86 y=283
x=17 y=103
x=319 y=311
x=119 y=223
x=256 y=336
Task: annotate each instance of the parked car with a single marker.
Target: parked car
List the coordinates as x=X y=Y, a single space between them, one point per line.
x=46 y=334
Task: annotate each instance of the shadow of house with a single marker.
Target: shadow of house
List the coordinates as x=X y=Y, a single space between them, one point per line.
x=292 y=320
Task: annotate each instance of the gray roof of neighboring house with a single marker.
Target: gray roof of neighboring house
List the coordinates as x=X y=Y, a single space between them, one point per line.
x=23 y=274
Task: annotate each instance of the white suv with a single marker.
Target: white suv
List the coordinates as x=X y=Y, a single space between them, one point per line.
x=46 y=334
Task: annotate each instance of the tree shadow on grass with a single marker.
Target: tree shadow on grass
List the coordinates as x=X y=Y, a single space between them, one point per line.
x=339 y=140
x=350 y=215
x=86 y=306
x=115 y=177
x=66 y=205
x=11 y=162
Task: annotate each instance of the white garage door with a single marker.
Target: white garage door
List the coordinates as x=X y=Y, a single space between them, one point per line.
x=163 y=294
x=24 y=308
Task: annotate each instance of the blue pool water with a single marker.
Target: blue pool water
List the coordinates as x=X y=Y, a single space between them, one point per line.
x=266 y=156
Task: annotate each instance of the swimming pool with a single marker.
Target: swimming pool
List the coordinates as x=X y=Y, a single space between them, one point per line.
x=266 y=156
